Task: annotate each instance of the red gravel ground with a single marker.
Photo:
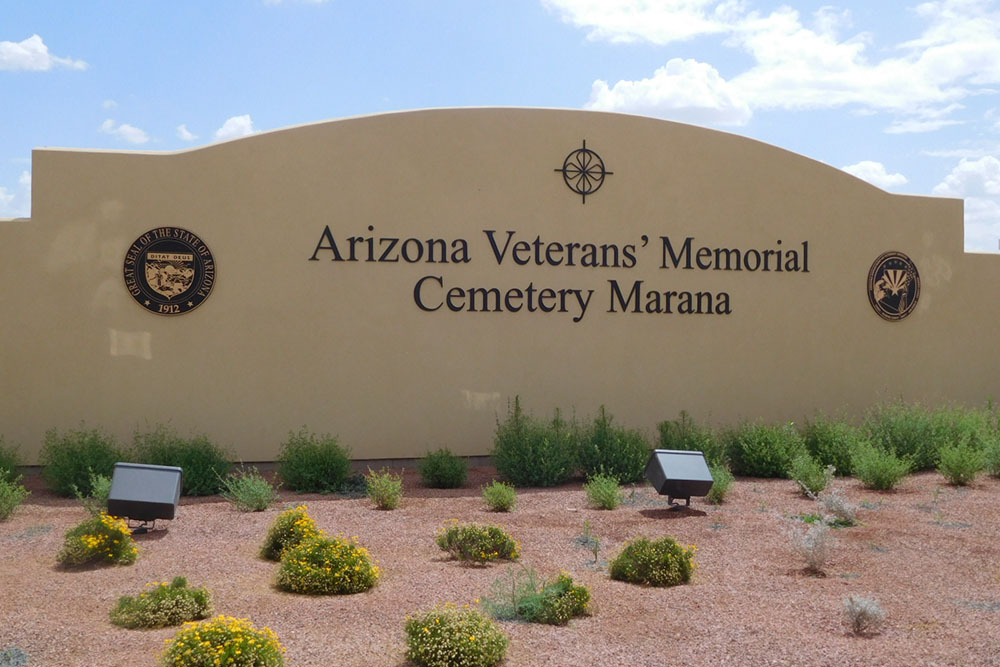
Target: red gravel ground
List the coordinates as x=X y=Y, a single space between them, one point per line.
x=928 y=552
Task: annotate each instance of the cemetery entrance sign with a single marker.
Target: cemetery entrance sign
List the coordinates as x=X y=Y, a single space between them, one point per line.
x=397 y=279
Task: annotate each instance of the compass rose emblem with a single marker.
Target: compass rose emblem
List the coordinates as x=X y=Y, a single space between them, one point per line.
x=583 y=171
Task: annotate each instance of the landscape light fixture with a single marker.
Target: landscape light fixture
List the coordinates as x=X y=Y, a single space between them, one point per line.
x=144 y=493
x=679 y=474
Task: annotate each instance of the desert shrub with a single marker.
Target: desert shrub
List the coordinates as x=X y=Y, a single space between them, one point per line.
x=310 y=463
x=71 y=458
x=384 y=488
x=327 y=566
x=12 y=494
x=862 y=615
x=908 y=431
x=991 y=457
x=9 y=461
x=763 y=450
x=519 y=595
x=877 y=468
x=809 y=474
x=832 y=442
x=834 y=503
x=13 y=657
x=722 y=479
x=528 y=452
x=204 y=463
x=813 y=543
x=686 y=435
x=661 y=562
x=477 y=543
x=960 y=463
x=99 y=539
x=613 y=450
x=163 y=604
x=441 y=469
x=603 y=492
x=224 y=640
x=97 y=500
x=500 y=497
x=248 y=491
x=448 y=635
x=290 y=528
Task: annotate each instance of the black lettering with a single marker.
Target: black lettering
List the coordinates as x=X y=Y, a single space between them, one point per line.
x=675 y=258
x=418 y=299
x=327 y=236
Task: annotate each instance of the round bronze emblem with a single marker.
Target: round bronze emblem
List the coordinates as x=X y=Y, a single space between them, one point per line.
x=893 y=286
x=169 y=271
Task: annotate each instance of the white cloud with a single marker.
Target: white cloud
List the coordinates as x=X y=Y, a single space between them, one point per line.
x=110 y=104
x=876 y=174
x=16 y=203
x=184 y=134
x=978 y=182
x=660 y=22
x=237 y=126
x=971 y=177
x=33 y=55
x=125 y=132
x=817 y=62
x=685 y=90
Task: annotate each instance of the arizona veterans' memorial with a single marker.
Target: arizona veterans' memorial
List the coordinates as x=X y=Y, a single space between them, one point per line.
x=397 y=279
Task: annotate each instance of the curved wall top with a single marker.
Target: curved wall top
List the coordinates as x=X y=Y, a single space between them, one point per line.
x=398 y=278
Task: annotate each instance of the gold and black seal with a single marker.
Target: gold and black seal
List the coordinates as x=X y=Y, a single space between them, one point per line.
x=893 y=286
x=169 y=271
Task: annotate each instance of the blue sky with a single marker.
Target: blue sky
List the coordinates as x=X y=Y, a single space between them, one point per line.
x=904 y=94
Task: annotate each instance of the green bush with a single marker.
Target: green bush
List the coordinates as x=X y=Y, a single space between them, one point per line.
x=520 y=596
x=97 y=501
x=327 y=566
x=960 y=463
x=291 y=528
x=723 y=479
x=762 y=450
x=613 y=450
x=910 y=432
x=443 y=470
x=500 y=497
x=71 y=458
x=477 y=543
x=603 y=492
x=992 y=457
x=663 y=562
x=384 y=488
x=528 y=452
x=832 y=443
x=9 y=461
x=448 y=636
x=248 y=491
x=162 y=605
x=879 y=469
x=12 y=494
x=685 y=435
x=224 y=640
x=809 y=475
x=310 y=463
x=204 y=463
x=99 y=539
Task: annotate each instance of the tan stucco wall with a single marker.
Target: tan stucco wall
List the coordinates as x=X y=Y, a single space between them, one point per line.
x=342 y=347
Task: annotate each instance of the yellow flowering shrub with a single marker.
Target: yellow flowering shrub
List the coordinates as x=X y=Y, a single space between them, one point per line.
x=291 y=528
x=100 y=539
x=328 y=566
x=477 y=543
x=224 y=640
x=662 y=562
x=449 y=635
x=163 y=604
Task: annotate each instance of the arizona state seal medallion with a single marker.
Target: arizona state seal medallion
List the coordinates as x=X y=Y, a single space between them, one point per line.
x=893 y=286
x=169 y=271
